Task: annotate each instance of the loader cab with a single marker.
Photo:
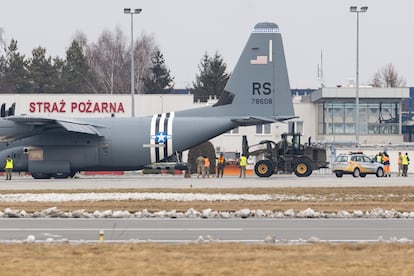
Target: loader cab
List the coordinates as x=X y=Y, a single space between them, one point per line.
x=289 y=144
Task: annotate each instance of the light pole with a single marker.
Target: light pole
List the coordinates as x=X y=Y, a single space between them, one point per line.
x=355 y=9
x=132 y=12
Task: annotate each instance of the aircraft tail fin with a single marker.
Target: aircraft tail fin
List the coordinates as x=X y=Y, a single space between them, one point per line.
x=7 y=112
x=11 y=110
x=3 y=110
x=259 y=85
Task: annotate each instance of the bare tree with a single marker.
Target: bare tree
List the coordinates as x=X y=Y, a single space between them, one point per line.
x=143 y=52
x=388 y=77
x=3 y=61
x=2 y=41
x=110 y=61
x=82 y=39
x=107 y=59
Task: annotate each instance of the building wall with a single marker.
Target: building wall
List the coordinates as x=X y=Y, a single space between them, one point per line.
x=99 y=105
x=95 y=105
x=382 y=127
x=306 y=112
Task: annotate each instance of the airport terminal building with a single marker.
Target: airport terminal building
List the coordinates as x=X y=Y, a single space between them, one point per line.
x=326 y=115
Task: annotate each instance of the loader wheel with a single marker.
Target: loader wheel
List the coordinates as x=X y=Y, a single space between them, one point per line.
x=264 y=168
x=303 y=168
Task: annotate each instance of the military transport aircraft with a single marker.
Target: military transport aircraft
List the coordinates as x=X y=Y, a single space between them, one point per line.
x=258 y=92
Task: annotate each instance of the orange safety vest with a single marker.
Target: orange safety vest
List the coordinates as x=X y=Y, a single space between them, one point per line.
x=386 y=160
x=206 y=162
x=220 y=160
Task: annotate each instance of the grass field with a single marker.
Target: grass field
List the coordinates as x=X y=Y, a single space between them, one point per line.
x=207 y=259
x=219 y=258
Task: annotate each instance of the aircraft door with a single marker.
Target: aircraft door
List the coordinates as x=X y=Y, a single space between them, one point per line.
x=33 y=153
x=20 y=160
x=105 y=153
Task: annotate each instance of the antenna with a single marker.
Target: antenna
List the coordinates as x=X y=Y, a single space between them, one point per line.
x=320 y=72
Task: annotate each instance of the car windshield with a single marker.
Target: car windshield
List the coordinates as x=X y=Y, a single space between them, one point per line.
x=341 y=158
x=357 y=158
x=367 y=159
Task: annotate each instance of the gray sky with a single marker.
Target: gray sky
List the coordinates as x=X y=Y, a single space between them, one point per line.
x=186 y=29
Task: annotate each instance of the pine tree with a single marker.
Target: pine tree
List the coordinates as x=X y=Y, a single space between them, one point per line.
x=41 y=71
x=16 y=75
x=159 y=80
x=75 y=70
x=212 y=78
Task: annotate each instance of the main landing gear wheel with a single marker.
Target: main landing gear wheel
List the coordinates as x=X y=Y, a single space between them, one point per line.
x=60 y=175
x=40 y=175
x=264 y=168
x=53 y=175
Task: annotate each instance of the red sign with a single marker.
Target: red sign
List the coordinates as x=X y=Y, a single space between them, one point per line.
x=81 y=107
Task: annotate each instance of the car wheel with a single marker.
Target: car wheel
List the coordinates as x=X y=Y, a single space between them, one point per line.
x=338 y=174
x=356 y=172
x=264 y=168
x=362 y=175
x=380 y=172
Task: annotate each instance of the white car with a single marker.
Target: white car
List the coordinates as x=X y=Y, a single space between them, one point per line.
x=357 y=164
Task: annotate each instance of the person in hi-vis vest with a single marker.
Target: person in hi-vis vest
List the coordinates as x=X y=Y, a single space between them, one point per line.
x=206 y=172
x=8 y=168
x=243 y=164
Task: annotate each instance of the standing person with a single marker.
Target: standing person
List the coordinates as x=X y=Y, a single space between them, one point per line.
x=405 y=162
x=8 y=168
x=200 y=165
x=221 y=161
x=378 y=157
x=243 y=164
x=206 y=167
x=400 y=166
x=386 y=162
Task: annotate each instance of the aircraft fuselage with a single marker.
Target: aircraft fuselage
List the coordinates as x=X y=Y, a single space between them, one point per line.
x=124 y=144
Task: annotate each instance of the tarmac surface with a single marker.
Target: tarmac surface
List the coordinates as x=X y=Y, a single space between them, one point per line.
x=204 y=230
x=170 y=230
x=137 y=181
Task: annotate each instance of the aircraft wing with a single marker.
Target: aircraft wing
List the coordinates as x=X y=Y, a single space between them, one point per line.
x=246 y=121
x=33 y=125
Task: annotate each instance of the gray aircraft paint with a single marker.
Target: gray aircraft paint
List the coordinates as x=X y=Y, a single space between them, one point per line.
x=257 y=92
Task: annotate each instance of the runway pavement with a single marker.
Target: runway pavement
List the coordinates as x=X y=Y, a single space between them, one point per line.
x=189 y=230
x=136 y=181
x=219 y=230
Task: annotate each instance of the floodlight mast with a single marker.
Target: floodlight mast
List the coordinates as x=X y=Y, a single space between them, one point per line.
x=357 y=11
x=132 y=12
